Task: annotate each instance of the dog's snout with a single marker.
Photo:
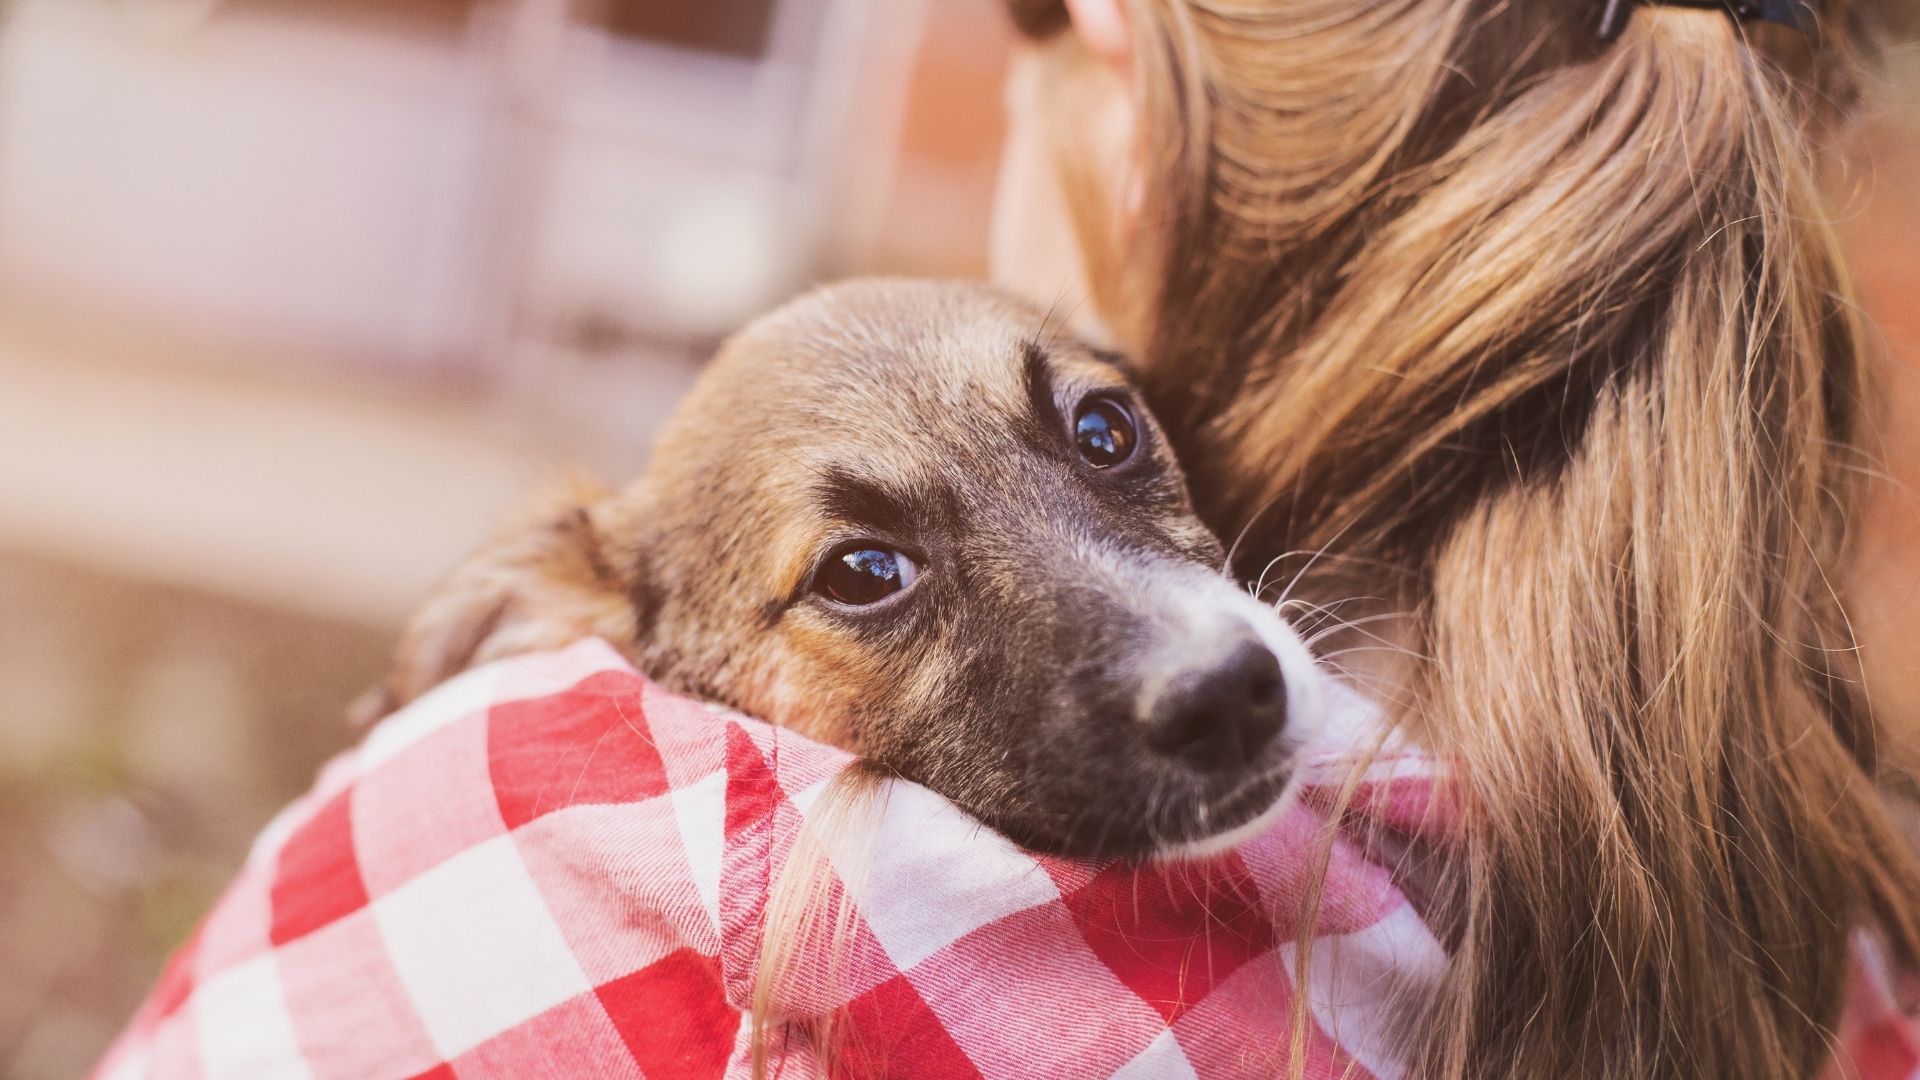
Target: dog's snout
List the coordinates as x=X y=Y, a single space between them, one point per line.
x=1223 y=713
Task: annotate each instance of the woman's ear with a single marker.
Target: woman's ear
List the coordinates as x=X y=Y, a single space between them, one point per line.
x=1102 y=27
x=544 y=584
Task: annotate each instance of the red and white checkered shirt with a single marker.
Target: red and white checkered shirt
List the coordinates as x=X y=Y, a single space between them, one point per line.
x=552 y=867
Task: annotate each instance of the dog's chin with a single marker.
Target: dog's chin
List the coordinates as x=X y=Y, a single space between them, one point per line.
x=1196 y=825
x=1220 y=826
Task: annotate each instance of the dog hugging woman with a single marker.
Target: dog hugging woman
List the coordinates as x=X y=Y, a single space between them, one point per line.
x=1511 y=337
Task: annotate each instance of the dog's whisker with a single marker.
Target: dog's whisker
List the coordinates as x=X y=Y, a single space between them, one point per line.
x=1359 y=626
x=1317 y=556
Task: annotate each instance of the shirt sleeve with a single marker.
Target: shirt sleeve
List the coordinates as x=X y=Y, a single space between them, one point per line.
x=551 y=866
x=521 y=872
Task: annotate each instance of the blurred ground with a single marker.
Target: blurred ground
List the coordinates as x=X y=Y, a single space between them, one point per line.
x=150 y=731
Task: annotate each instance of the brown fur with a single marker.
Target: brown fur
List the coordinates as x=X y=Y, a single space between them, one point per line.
x=1058 y=607
x=544 y=582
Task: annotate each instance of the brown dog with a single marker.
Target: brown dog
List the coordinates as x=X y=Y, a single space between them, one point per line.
x=893 y=517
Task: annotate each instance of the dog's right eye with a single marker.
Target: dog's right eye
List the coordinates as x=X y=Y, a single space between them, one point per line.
x=862 y=573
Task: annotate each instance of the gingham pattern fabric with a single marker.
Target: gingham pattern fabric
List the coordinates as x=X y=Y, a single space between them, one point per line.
x=551 y=867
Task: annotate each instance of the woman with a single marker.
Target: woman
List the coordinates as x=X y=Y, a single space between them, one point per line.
x=1536 y=337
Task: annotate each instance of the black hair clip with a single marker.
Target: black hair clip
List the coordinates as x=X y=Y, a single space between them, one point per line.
x=1795 y=13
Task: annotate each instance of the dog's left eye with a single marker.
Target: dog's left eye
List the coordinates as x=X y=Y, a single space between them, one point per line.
x=861 y=573
x=1104 y=431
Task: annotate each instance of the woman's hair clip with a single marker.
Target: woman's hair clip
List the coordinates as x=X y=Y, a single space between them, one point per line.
x=1795 y=13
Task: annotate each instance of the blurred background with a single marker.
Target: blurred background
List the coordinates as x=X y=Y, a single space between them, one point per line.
x=299 y=297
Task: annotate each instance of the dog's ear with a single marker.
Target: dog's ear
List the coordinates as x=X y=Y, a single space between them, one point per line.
x=545 y=583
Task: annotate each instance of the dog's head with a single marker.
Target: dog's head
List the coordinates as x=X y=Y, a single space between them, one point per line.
x=903 y=518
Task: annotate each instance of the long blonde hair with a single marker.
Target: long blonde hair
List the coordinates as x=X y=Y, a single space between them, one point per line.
x=1550 y=338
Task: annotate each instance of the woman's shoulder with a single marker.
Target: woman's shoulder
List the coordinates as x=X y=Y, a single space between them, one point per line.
x=524 y=861
x=554 y=852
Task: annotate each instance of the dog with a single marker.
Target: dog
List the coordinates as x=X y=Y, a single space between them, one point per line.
x=897 y=517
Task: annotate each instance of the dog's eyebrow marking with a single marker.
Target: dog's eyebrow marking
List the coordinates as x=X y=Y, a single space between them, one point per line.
x=1119 y=362
x=866 y=501
x=1038 y=375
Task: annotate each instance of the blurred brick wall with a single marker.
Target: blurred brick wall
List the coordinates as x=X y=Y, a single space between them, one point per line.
x=931 y=214
x=1882 y=219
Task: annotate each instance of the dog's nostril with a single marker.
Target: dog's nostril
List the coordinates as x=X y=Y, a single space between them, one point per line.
x=1221 y=715
x=1263 y=689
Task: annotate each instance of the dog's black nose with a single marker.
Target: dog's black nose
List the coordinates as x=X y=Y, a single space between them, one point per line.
x=1222 y=714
